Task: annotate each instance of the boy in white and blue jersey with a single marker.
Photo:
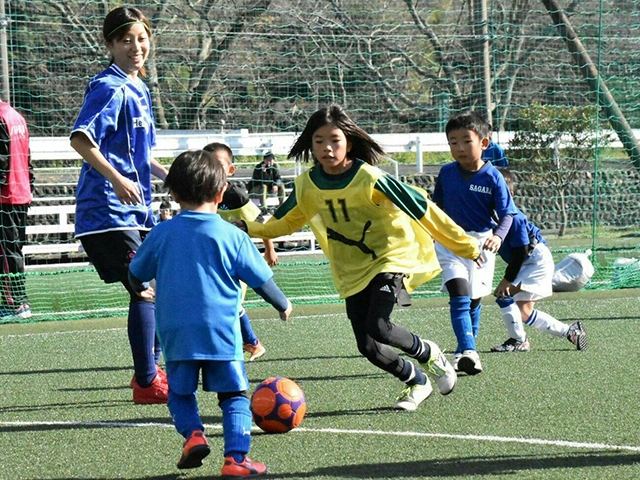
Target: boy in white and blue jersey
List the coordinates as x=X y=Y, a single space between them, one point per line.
x=527 y=279
x=472 y=192
x=198 y=261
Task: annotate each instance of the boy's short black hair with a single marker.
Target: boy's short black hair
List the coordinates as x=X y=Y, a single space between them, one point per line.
x=165 y=205
x=469 y=120
x=213 y=147
x=196 y=177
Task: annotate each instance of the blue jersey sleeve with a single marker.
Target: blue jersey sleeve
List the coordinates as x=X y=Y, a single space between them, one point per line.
x=252 y=269
x=100 y=110
x=144 y=265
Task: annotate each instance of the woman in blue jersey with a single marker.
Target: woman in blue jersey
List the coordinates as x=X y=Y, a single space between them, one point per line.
x=114 y=134
x=376 y=233
x=527 y=279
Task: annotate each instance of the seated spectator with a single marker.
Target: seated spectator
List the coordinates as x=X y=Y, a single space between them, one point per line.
x=164 y=211
x=266 y=180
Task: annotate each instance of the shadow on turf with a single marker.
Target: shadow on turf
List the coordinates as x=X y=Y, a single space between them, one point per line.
x=470 y=466
x=451 y=467
x=306 y=359
x=256 y=381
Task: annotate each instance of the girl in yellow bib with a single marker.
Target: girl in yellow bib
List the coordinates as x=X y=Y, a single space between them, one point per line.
x=377 y=234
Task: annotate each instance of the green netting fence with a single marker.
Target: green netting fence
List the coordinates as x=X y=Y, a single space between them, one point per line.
x=559 y=81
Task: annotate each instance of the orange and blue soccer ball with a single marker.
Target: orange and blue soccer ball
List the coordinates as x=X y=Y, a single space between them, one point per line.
x=278 y=405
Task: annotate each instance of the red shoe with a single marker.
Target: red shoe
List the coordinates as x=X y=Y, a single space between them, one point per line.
x=246 y=468
x=157 y=392
x=159 y=372
x=162 y=375
x=255 y=351
x=195 y=449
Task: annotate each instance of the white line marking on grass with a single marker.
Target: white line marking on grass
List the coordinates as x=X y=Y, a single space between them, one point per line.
x=63 y=332
x=482 y=438
x=487 y=438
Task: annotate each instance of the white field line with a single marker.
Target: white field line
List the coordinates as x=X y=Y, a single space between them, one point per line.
x=337 y=431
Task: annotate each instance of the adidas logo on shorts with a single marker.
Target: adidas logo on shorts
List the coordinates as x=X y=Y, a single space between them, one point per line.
x=385 y=288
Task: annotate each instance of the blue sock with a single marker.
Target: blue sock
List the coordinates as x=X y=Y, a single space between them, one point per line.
x=248 y=335
x=141 y=327
x=461 y=322
x=185 y=413
x=474 y=313
x=236 y=427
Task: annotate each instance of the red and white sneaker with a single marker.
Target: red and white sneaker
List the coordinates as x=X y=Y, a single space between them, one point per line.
x=157 y=392
x=255 y=351
x=159 y=372
x=162 y=375
x=246 y=468
x=195 y=449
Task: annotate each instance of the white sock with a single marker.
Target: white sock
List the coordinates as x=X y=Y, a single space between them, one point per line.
x=513 y=322
x=546 y=323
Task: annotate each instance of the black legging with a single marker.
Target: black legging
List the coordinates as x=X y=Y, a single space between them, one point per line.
x=370 y=314
x=13 y=225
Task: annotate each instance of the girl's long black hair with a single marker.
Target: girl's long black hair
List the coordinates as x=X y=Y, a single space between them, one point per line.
x=363 y=146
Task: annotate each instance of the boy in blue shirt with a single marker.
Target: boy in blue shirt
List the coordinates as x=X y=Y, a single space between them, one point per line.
x=472 y=192
x=527 y=279
x=198 y=261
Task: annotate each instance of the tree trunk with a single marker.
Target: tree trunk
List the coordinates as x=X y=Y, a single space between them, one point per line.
x=563 y=211
x=596 y=83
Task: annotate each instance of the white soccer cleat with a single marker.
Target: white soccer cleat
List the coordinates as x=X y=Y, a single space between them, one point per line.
x=412 y=396
x=469 y=362
x=443 y=372
x=455 y=360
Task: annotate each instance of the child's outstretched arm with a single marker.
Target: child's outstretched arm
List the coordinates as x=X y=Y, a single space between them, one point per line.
x=415 y=202
x=271 y=293
x=494 y=242
x=450 y=235
x=292 y=221
x=270 y=254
